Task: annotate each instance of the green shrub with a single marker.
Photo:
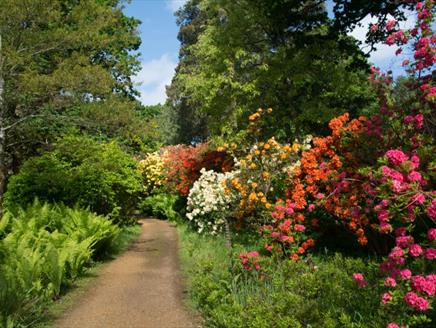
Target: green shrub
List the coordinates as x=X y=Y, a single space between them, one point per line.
x=43 y=249
x=161 y=206
x=80 y=171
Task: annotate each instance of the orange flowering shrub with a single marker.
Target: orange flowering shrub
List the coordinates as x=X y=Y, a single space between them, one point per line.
x=261 y=176
x=328 y=171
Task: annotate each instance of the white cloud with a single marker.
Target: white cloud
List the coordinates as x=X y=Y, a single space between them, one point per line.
x=174 y=5
x=153 y=77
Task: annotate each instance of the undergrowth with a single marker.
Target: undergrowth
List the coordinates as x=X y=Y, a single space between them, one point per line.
x=317 y=292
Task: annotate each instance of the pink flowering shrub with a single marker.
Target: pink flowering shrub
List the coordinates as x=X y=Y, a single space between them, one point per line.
x=401 y=191
x=359 y=279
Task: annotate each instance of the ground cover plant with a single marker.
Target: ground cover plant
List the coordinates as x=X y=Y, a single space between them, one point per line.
x=319 y=292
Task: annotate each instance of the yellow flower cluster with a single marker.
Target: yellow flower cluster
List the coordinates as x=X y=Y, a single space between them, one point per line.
x=152 y=170
x=254 y=186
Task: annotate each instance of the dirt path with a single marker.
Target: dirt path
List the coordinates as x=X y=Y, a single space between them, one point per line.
x=139 y=289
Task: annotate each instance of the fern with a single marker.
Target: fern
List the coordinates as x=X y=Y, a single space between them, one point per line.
x=43 y=248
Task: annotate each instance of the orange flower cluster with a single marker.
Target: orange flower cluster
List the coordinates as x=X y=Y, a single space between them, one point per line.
x=323 y=180
x=255 y=116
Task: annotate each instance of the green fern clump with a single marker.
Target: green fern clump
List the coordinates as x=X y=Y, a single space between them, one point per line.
x=43 y=249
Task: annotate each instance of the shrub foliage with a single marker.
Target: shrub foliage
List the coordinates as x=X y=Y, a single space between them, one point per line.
x=80 y=171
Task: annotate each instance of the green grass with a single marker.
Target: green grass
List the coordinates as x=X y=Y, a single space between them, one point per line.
x=81 y=285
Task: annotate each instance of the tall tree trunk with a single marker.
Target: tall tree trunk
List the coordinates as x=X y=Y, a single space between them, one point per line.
x=3 y=172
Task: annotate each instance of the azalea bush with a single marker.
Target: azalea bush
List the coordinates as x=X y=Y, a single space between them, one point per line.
x=209 y=206
x=263 y=167
x=152 y=170
x=376 y=176
x=182 y=165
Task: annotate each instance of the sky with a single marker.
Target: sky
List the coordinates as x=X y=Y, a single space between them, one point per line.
x=160 y=47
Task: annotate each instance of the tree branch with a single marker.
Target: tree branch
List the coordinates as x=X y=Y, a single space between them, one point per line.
x=20 y=121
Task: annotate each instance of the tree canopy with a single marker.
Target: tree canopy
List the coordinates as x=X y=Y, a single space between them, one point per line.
x=56 y=55
x=237 y=56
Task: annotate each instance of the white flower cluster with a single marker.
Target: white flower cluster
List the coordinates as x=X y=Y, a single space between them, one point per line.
x=208 y=203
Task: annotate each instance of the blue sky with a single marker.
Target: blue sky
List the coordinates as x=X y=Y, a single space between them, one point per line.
x=160 y=47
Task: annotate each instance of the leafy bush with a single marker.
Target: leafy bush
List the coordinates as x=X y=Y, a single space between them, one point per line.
x=79 y=171
x=162 y=206
x=43 y=249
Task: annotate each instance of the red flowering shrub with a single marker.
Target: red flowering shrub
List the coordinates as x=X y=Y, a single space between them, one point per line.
x=182 y=165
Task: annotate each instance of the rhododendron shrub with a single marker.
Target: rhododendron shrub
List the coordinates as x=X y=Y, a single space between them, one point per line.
x=376 y=177
x=390 y=170
x=315 y=185
x=401 y=194
x=182 y=165
x=208 y=204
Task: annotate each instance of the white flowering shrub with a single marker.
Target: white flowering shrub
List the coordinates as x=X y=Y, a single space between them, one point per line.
x=208 y=203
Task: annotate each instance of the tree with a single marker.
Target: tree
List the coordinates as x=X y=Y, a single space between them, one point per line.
x=190 y=123
x=56 y=54
x=283 y=54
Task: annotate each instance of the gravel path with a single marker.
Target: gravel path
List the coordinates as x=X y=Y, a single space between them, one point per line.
x=139 y=289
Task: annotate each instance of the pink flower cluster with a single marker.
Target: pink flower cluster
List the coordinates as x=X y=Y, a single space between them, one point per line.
x=425 y=285
x=359 y=279
x=392 y=325
x=417 y=121
x=396 y=156
x=431 y=211
x=249 y=261
x=416 y=302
